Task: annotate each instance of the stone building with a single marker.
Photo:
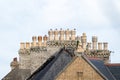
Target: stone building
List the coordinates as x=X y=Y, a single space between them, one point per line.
x=63 y=56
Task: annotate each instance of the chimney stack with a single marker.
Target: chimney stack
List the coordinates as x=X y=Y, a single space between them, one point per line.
x=73 y=33
x=84 y=40
x=99 y=46
x=45 y=40
x=39 y=40
x=56 y=32
x=34 y=38
x=50 y=33
x=105 y=45
x=67 y=34
x=61 y=34
x=27 y=45
x=22 y=45
x=94 y=42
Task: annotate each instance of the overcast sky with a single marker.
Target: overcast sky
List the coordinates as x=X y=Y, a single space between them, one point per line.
x=22 y=19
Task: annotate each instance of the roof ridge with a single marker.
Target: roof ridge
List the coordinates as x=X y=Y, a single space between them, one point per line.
x=94 y=58
x=112 y=64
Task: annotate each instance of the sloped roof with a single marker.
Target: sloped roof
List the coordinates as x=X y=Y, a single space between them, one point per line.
x=99 y=64
x=17 y=74
x=88 y=61
x=58 y=62
x=95 y=67
x=115 y=70
x=53 y=66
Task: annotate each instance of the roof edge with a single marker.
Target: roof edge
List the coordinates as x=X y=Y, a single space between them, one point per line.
x=112 y=64
x=88 y=61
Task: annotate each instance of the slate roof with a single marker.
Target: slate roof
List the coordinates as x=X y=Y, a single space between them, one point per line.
x=115 y=70
x=53 y=66
x=17 y=74
x=99 y=64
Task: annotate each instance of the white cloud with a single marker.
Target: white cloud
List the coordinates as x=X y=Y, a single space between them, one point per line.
x=117 y=5
x=61 y=12
x=92 y=12
x=56 y=12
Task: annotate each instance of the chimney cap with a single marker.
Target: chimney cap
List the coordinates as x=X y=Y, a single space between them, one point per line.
x=84 y=34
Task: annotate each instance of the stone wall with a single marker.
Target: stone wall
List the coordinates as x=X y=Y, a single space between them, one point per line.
x=38 y=57
x=34 y=57
x=24 y=59
x=79 y=69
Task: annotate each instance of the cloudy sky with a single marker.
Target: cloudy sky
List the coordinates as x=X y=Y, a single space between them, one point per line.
x=21 y=19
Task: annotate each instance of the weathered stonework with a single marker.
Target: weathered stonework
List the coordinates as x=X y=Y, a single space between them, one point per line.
x=79 y=69
x=24 y=59
x=102 y=54
x=38 y=57
x=62 y=43
x=34 y=57
x=33 y=54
